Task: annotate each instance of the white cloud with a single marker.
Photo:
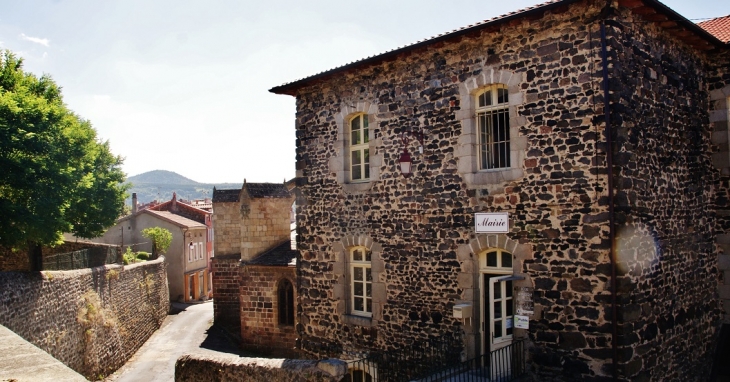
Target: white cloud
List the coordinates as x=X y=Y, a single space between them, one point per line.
x=42 y=41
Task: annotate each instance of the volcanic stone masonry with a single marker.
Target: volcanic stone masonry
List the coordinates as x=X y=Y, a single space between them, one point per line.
x=667 y=194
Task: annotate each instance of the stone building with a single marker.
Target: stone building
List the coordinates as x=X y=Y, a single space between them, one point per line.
x=254 y=267
x=594 y=132
x=188 y=270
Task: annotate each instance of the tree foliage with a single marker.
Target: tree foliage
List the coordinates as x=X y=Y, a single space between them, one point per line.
x=161 y=239
x=56 y=175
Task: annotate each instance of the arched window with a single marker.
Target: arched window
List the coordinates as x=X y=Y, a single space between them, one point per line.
x=492 y=114
x=286 y=303
x=361 y=281
x=359 y=148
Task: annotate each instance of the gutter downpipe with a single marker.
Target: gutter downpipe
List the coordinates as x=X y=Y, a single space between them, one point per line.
x=611 y=218
x=184 y=268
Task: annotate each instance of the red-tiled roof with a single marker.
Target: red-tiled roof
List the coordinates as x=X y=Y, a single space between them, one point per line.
x=718 y=27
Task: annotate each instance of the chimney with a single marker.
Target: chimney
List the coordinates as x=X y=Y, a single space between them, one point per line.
x=173 y=205
x=134 y=203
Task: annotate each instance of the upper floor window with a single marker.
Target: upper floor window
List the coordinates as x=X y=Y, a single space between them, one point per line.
x=359 y=148
x=361 y=283
x=492 y=114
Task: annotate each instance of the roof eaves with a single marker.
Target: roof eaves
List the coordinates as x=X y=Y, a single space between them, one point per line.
x=686 y=23
x=291 y=87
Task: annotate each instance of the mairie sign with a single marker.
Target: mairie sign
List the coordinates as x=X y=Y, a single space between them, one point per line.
x=493 y=222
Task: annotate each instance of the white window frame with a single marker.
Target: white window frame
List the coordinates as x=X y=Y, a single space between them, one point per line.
x=359 y=172
x=500 y=273
x=365 y=281
x=506 y=296
x=493 y=150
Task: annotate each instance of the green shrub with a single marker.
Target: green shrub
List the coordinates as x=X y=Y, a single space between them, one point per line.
x=129 y=257
x=143 y=256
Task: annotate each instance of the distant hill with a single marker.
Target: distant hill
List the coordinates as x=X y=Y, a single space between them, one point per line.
x=160 y=184
x=161 y=177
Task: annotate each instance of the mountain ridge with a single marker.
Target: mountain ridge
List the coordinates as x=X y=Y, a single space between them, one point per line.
x=161 y=184
x=161 y=176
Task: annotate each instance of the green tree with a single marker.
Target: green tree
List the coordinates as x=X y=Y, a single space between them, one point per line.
x=56 y=175
x=161 y=239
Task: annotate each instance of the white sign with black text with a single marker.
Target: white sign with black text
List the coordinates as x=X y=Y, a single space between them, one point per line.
x=491 y=222
x=522 y=322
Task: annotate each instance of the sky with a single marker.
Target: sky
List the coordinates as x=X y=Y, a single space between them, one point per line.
x=182 y=85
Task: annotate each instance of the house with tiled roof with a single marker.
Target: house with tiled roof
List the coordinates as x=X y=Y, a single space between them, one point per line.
x=547 y=189
x=188 y=258
x=254 y=265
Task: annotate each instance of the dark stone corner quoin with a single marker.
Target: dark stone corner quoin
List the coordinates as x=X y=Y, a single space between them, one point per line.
x=650 y=234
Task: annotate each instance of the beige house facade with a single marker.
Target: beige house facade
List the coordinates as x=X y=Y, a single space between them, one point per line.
x=187 y=258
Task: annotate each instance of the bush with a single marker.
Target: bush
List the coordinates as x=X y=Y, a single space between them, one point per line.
x=130 y=257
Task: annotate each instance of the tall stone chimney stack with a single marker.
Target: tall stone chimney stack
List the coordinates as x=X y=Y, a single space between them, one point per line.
x=134 y=203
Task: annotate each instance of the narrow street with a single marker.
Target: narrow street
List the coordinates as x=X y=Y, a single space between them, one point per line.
x=188 y=330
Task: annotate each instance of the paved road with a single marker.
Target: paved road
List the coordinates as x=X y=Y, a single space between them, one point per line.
x=187 y=331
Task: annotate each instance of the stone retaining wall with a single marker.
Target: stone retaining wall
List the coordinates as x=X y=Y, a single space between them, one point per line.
x=93 y=320
x=226 y=367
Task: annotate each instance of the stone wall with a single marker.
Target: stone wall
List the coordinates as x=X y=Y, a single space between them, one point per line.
x=556 y=195
x=226 y=291
x=225 y=367
x=227 y=226
x=260 y=327
x=555 y=192
x=719 y=86
x=17 y=260
x=264 y=224
x=93 y=320
x=665 y=186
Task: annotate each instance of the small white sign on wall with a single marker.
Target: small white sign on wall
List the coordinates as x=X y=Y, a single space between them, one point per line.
x=491 y=222
x=522 y=322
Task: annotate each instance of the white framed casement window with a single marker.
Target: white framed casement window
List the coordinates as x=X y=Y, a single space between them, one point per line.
x=361 y=282
x=501 y=309
x=492 y=120
x=497 y=308
x=359 y=148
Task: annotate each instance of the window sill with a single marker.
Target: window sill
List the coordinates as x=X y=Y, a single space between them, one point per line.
x=351 y=319
x=352 y=188
x=493 y=177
